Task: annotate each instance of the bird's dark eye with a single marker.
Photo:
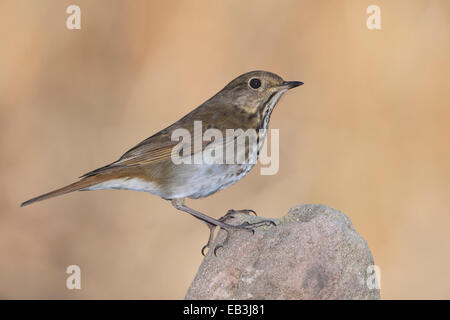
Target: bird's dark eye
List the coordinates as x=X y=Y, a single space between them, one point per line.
x=255 y=83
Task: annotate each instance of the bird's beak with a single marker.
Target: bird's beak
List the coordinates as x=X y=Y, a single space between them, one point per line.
x=291 y=84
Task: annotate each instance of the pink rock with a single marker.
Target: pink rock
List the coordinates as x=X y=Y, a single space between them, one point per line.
x=313 y=253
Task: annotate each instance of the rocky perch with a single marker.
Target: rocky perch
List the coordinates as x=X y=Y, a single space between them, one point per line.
x=314 y=252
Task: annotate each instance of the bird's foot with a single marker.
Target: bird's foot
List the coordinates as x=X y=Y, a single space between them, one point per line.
x=212 y=228
x=243 y=226
x=229 y=228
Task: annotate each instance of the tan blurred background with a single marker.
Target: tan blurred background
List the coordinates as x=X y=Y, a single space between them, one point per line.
x=367 y=134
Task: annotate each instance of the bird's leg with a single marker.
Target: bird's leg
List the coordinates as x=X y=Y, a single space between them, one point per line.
x=211 y=227
x=212 y=223
x=209 y=223
x=179 y=204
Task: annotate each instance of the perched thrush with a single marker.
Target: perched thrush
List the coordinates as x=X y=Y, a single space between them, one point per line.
x=245 y=103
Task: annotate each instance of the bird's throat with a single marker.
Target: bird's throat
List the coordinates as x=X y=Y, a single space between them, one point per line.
x=267 y=108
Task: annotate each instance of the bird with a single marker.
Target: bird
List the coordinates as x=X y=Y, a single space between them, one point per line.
x=245 y=103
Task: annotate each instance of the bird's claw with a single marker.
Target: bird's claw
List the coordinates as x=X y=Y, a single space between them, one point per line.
x=229 y=228
x=206 y=246
x=246 y=211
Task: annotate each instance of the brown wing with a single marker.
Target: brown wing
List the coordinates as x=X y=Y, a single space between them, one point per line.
x=156 y=148
x=151 y=150
x=160 y=146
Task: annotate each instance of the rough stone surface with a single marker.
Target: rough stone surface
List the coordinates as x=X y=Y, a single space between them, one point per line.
x=313 y=253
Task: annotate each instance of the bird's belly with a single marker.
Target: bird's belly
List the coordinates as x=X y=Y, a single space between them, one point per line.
x=198 y=181
x=206 y=180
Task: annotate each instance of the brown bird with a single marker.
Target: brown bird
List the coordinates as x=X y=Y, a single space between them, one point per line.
x=245 y=103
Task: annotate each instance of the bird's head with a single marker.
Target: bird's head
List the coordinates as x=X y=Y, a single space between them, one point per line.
x=256 y=92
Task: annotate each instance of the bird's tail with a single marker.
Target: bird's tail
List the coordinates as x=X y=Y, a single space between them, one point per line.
x=79 y=185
